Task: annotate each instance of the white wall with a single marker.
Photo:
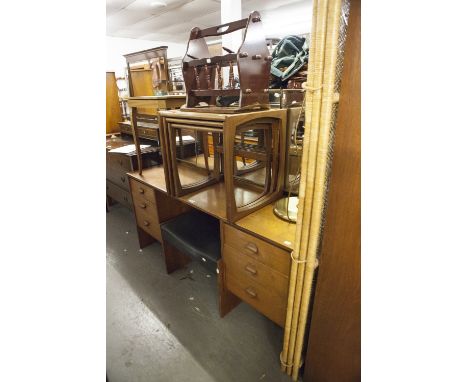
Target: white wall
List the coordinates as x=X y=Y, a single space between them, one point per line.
x=116 y=47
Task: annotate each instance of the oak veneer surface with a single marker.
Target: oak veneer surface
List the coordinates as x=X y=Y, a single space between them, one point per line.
x=258 y=249
x=210 y=199
x=334 y=348
x=156 y=102
x=142 y=83
x=113 y=114
x=264 y=223
x=240 y=263
x=153 y=177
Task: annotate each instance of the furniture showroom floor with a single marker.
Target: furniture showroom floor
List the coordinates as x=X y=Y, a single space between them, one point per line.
x=164 y=327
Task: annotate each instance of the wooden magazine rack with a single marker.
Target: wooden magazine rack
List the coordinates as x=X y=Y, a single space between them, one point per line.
x=203 y=73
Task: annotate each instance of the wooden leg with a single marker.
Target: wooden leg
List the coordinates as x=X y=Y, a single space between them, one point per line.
x=206 y=151
x=110 y=201
x=181 y=143
x=136 y=138
x=144 y=239
x=174 y=258
x=227 y=300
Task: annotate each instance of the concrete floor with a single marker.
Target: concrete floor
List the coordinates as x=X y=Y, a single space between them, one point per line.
x=164 y=327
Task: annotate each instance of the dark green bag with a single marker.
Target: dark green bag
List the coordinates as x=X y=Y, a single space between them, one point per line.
x=289 y=56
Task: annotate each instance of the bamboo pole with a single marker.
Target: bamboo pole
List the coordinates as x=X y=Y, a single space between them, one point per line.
x=328 y=98
x=320 y=97
x=312 y=113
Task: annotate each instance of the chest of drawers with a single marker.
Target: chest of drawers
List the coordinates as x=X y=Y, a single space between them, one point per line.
x=117 y=166
x=152 y=208
x=257 y=272
x=146 y=213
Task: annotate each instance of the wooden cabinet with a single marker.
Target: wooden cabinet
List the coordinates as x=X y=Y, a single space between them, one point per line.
x=146 y=213
x=117 y=166
x=151 y=209
x=113 y=114
x=257 y=272
x=118 y=194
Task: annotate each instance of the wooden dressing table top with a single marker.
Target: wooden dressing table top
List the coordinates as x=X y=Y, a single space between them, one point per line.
x=212 y=199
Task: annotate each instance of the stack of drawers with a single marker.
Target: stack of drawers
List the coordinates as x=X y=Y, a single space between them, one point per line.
x=146 y=213
x=117 y=166
x=256 y=272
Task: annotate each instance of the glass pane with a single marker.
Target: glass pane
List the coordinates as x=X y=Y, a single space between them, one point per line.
x=252 y=167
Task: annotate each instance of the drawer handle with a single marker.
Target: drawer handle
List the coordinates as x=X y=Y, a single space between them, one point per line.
x=125 y=198
x=122 y=178
x=143 y=205
x=251 y=292
x=146 y=223
x=249 y=268
x=121 y=162
x=251 y=247
x=141 y=191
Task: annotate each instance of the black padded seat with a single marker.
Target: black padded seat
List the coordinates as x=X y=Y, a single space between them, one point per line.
x=195 y=234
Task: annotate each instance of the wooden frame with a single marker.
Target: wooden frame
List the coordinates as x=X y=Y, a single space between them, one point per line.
x=225 y=128
x=155 y=57
x=156 y=103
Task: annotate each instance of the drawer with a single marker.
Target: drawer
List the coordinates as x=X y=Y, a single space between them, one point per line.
x=118 y=194
x=147 y=219
x=119 y=161
x=147 y=133
x=117 y=176
x=141 y=191
x=143 y=132
x=257 y=249
x=125 y=127
x=240 y=264
x=144 y=206
x=261 y=298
